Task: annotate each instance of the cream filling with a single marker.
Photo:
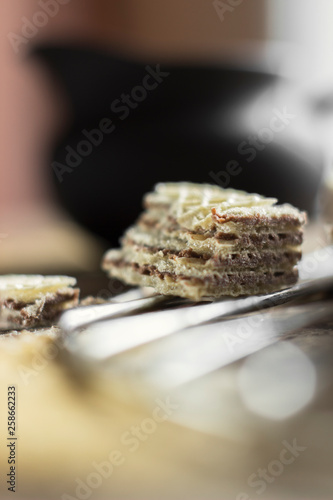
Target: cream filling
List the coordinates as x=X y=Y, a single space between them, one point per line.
x=33 y=311
x=200 y=243
x=159 y=220
x=169 y=286
x=188 y=266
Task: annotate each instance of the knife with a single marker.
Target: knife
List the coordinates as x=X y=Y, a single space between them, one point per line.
x=105 y=339
x=196 y=352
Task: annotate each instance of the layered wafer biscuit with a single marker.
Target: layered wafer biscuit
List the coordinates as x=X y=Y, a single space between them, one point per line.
x=31 y=301
x=198 y=240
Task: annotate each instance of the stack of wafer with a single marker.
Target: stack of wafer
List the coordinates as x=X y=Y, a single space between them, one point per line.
x=199 y=240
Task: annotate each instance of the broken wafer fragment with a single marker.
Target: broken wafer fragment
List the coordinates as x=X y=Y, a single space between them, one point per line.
x=31 y=301
x=199 y=240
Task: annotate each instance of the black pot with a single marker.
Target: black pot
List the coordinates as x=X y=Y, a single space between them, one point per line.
x=184 y=129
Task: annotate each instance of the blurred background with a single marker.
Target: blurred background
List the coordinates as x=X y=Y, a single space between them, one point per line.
x=102 y=99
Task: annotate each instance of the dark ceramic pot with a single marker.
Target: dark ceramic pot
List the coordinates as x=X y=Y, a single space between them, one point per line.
x=182 y=128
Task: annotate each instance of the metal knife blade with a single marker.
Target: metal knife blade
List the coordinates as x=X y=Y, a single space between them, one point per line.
x=195 y=352
x=108 y=338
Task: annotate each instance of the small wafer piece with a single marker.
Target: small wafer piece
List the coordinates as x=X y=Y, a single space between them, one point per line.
x=198 y=240
x=32 y=301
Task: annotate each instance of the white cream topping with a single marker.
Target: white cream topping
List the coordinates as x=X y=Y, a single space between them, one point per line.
x=192 y=204
x=31 y=287
x=186 y=193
